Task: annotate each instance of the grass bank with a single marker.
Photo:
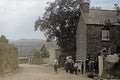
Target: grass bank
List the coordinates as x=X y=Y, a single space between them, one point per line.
x=8 y=58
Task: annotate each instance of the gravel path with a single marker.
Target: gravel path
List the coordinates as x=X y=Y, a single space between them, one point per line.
x=41 y=72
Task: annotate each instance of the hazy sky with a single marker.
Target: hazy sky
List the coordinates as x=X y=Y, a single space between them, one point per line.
x=17 y=17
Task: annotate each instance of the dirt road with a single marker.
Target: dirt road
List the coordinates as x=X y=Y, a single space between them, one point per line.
x=41 y=72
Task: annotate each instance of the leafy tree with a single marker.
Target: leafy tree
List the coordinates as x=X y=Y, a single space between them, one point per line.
x=59 y=22
x=3 y=39
x=37 y=54
x=41 y=54
x=44 y=53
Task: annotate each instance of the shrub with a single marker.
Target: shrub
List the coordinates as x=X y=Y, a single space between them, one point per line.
x=39 y=56
x=8 y=58
x=37 y=61
x=23 y=60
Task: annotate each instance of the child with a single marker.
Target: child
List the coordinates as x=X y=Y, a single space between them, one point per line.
x=55 y=65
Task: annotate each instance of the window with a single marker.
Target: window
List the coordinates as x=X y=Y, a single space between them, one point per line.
x=105 y=35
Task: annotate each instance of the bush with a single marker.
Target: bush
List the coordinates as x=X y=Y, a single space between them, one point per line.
x=37 y=61
x=23 y=60
x=8 y=58
x=39 y=56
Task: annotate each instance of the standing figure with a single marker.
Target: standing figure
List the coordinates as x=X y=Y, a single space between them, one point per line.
x=71 y=66
x=67 y=64
x=90 y=66
x=76 y=67
x=55 y=65
x=87 y=65
x=79 y=66
x=82 y=67
x=96 y=67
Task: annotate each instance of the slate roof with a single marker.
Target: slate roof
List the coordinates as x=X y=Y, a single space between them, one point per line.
x=95 y=16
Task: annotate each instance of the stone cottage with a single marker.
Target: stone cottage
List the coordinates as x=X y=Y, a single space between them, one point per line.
x=93 y=35
x=53 y=51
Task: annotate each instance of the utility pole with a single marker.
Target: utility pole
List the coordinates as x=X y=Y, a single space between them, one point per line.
x=21 y=51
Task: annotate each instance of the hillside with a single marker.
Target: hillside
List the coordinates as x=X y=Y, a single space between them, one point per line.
x=26 y=47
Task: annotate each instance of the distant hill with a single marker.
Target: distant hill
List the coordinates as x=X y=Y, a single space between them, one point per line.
x=26 y=47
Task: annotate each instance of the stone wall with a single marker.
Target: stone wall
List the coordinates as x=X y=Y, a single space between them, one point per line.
x=94 y=43
x=94 y=40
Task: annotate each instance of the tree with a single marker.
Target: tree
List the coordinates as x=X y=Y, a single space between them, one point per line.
x=3 y=39
x=59 y=22
x=44 y=53
x=41 y=54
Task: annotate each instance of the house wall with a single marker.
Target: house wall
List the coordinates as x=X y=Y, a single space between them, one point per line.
x=89 y=40
x=95 y=43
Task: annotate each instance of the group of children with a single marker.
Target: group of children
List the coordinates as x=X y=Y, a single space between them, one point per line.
x=73 y=67
x=77 y=66
x=70 y=66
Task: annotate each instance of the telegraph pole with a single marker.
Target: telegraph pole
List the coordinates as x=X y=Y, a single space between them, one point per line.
x=21 y=51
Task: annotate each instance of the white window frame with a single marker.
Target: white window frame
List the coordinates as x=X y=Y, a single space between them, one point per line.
x=105 y=35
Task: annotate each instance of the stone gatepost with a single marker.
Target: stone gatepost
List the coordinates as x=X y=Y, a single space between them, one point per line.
x=100 y=58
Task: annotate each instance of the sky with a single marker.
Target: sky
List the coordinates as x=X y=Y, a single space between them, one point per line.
x=17 y=17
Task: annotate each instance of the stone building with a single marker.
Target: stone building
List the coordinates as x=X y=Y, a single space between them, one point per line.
x=92 y=33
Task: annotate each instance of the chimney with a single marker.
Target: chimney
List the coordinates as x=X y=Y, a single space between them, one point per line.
x=84 y=6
